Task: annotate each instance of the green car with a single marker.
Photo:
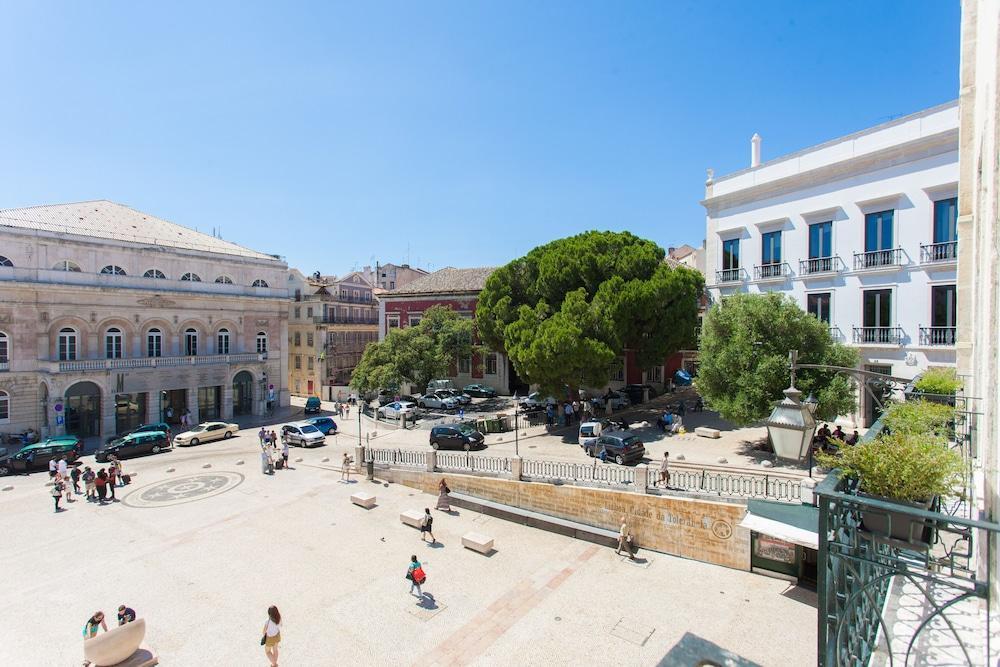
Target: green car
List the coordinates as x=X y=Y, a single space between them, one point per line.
x=38 y=455
x=480 y=391
x=313 y=404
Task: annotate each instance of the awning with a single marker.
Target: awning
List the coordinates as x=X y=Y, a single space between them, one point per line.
x=798 y=524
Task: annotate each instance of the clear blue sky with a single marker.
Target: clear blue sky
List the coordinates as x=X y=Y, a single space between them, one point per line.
x=450 y=133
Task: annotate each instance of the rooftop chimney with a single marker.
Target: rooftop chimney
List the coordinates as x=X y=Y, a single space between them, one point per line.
x=755 y=150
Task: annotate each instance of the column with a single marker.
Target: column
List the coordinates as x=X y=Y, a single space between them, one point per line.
x=641 y=478
x=192 y=405
x=226 y=409
x=107 y=412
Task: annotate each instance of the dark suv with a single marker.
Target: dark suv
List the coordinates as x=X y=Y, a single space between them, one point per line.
x=156 y=427
x=38 y=455
x=622 y=447
x=134 y=444
x=456 y=436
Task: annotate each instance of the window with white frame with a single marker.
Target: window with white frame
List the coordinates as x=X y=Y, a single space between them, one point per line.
x=259 y=283
x=655 y=374
x=67 y=265
x=67 y=344
x=191 y=277
x=414 y=320
x=617 y=371
x=113 y=270
x=191 y=342
x=5 y=262
x=309 y=362
x=154 y=343
x=4 y=407
x=297 y=339
x=222 y=342
x=392 y=322
x=491 y=363
x=224 y=280
x=309 y=339
x=155 y=273
x=113 y=343
x=4 y=348
x=464 y=364
x=298 y=362
x=261 y=342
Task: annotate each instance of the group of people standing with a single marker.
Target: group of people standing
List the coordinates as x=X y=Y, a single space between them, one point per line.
x=99 y=486
x=269 y=451
x=568 y=413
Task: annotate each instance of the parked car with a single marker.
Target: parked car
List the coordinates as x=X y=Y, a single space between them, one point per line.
x=313 y=405
x=617 y=399
x=38 y=455
x=134 y=444
x=434 y=385
x=635 y=392
x=591 y=430
x=396 y=409
x=480 y=391
x=622 y=447
x=456 y=436
x=302 y=434
x=535 y=401
x=206 y=432
x=437 y=402
x=462 y=398
x=161 y=427
x=324 y=424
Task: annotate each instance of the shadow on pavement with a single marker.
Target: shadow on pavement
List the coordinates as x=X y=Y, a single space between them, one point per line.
x=692 y=650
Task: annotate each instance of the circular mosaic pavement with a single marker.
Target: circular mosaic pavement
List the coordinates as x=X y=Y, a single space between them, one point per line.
x=183 y=489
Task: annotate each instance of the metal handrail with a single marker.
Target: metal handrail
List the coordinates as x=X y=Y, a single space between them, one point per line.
x=946 y=251
x=874 y=259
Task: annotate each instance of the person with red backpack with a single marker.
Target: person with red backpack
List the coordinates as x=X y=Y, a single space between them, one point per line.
x=415 y=573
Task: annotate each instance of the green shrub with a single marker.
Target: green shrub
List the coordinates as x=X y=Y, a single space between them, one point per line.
x=920 y=417
x=938 y=381
x=911 y=467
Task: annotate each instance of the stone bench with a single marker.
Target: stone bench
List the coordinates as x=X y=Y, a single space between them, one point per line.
x=706 y=432
x=413 y=518
x=478 y=542
x=363 y=499
x=118 y=645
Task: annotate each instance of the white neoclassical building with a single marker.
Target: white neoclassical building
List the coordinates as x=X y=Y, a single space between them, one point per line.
x=110 y=317
x=860 y=231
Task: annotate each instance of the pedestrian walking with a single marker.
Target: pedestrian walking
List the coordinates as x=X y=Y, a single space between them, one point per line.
x=112 y=480
x=101 y=483
x=284 y=454
x=125 y=614
x=576 y=411
x=57 y=492
x=119 y=472
x=345 y=467
x=74 y=475
x=568 y=413
x=66 y=487
x=426 y=526
x=664 y=470
x=271 y=635
x=624 y=539
x=88 y=482
x=62 y=467
x=550 y=415
x=170 y=414
x=260 y=435
x=265 y=460
x=274 y=439
x=415 y=573
x=185 y=417
x=443 y=500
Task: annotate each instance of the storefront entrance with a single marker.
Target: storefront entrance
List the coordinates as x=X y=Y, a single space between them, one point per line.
x=209 y=403
x=83 y=410
x=872 y=411
x=130 y=411
x=173 y=405
x=242 y=394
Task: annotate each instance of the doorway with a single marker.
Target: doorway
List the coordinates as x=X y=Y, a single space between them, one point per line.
x=174 y=403
x=83 y=410
x=242 y=393
x=874 y=385
x=130 y=411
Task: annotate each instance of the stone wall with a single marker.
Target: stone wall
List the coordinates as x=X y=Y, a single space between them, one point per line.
x=698 y=529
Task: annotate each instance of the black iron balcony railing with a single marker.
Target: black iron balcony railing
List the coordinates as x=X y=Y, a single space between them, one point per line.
x=937 y=335
x=878 y=335
x=877 y=259
x=773 y=271
x=939 y=252
x=339 y=319
x=818 y=265
x=730 y=276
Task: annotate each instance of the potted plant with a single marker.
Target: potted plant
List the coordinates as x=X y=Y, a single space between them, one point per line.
x=905 y=468
x=937 y=384
x=920 y=416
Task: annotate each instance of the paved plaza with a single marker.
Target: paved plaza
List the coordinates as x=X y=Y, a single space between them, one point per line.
x=201 y=552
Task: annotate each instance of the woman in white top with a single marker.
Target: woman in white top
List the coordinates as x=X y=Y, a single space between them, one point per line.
x=272 y=635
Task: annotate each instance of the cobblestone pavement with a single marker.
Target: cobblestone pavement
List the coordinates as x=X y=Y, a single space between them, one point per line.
x=201 y=552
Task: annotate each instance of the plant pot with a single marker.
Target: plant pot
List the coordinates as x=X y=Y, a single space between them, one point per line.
x=900 y=525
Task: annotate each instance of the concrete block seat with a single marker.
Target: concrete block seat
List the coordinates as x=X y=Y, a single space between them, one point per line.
x=363 y=499
x=413 y=518
x=478 y=542
x=707 y=432
x=116 y=645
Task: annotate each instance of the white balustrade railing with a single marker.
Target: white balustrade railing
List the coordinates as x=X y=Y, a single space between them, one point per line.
x=396 y=457
x=159 y=362
x=578 y=472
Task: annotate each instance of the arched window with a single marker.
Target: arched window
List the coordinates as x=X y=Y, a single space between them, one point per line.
x=5 y=262
x=113 y=270
x=154 y=273
x=222 y=342
x=4 y=348
x=259 y=283
x=191 y=342
x=113 y=343
x=154 y=343
x=4 y=407
x=66 y=265
x=191 y=277
x=225 y=280
x=67 y=344
x=261 y=342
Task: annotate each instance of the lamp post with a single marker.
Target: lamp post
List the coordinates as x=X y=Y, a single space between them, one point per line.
x=811 y=403
x=516 y=413
x=791 y=424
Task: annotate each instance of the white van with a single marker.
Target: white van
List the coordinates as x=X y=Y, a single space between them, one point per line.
x=434 y=385
x=589 y=433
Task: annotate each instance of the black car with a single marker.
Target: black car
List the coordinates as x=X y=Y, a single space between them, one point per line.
x=635 y=392
x=622 y=447
x=456 y=436
x=134 y=444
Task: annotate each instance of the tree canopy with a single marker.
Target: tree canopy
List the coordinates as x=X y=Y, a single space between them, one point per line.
x=566 y=310
x=416 y=354
x=743 y=358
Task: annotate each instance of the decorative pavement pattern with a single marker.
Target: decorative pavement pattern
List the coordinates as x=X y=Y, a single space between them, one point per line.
x=183 y=490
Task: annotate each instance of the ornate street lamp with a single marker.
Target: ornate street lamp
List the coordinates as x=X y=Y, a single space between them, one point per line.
x=791 y=427
x=811 y=403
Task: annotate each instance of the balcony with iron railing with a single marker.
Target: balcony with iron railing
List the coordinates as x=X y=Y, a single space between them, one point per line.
x=939 y=253
x=937 y=336
x=341 y=319
x=729 y=276
x=878 y=335
x=772 y=271
x=4 y=365
x=879 y=260
x=817 y=266
x=836 y=333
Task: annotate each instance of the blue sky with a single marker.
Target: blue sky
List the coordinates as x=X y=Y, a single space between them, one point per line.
x=445 y=133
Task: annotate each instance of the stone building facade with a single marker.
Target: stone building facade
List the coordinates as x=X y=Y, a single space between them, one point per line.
x=110 y=317
x=391 y=276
